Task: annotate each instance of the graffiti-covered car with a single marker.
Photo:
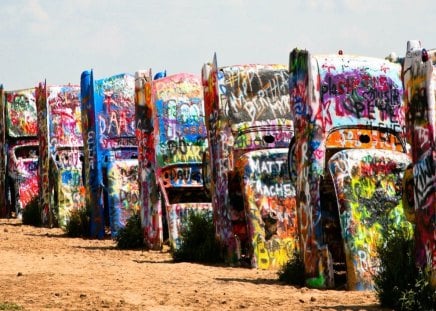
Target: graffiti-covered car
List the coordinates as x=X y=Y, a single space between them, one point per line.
x=111 y=156
x=22 y=176
x=419 y=74
x=171 y=140
x=250 y=129
x=349 y=158
x=19 y=156
x=60 y=152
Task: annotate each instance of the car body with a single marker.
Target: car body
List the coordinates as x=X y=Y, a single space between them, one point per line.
x=171 y=140
x=419 y=74
x=349 y=158
x=60 y=152
x=111 y=157
x=249 y=129
x=19 y=158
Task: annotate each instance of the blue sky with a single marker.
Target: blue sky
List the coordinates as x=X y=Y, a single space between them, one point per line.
x=55 y=40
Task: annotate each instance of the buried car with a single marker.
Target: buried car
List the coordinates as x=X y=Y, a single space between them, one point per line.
x=349 y=158
x=249 y=129
x=172 y=139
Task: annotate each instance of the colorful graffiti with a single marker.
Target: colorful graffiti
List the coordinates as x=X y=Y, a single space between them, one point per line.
x=270 y=207
x=337 y=102
x=61 y=152
x=248 y=110
x=177 y=216
x=110 y=149
x=172 y=134
x=20 y=114
x=3 y=207
x=419 y=72
x=22 y=168
x=368 y=187
x=19 y=154
x=150 y=198
x=123 y=192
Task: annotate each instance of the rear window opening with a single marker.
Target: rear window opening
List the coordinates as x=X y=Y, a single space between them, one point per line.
x=187 y=195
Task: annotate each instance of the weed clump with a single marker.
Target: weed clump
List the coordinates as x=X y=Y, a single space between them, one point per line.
x=400 y=284
x=292 y=272
x=78 y=224
x=131 y=236
x=31 y=214
x=197 y=240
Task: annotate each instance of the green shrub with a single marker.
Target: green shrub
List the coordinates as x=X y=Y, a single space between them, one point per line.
x=400 y=284
x=132 y=235
x=292 y=272
x=197 y=240
x=78 y=224
x=422 y=296
x=32 y=213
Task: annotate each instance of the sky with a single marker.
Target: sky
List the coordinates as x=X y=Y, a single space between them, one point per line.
x=56 y=40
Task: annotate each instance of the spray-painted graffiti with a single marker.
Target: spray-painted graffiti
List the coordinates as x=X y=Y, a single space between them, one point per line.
x=182 y=131
x=172 y=139
x=123 y=192
x=70 y=193
x=65 y=127
x=178 y=215
x=368 y=187
x=337 y=102
x=20 y=113
x=60 y=132
x=3 y=207
x=19 y=156
x=44 y=157
x=419 y=72
x=253 y=93
x=248 y=110
x=22 y=175
x=270 y=207
x=178 y=176
x=150 y=199
x=110 y=150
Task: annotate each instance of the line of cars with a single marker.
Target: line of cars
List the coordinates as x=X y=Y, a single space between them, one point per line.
x=310 y=158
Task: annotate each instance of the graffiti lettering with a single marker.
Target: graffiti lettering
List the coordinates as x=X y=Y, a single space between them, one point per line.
x=272 y=167
x=185 y=175
x=362 y=96
x=114 y=142
x=425 y=181
x=278 y=190
x=91 y=149
x=118 y=123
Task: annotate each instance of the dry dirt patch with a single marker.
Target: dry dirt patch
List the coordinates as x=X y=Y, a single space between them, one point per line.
x=42 y=269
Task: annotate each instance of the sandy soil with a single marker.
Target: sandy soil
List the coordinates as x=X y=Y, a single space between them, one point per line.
x=42 y=269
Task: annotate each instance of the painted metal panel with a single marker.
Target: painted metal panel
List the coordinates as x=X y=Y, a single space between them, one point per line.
x=419 y=72
x=172 y=134
x=368 y=189
x=20 y=114
x=60 y=151
x=22 y=170
x=270 y=208
x=108 y=112
x=123 y=192
x=247 y=108
x=338 y=102
x=3 y=208
x=19 y=144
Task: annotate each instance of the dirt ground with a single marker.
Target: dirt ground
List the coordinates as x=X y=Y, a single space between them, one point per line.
x=42 y=269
